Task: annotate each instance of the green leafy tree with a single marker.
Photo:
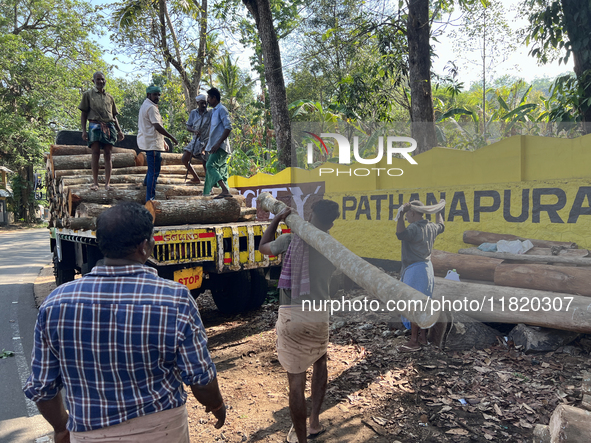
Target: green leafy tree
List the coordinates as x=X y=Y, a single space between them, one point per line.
x=559 y=29
x=46 y=59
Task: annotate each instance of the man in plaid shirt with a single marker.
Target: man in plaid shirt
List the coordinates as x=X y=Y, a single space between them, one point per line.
x=122 y=341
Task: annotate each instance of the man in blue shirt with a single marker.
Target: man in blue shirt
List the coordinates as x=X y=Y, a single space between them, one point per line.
x=122 y=341
x=219 y=130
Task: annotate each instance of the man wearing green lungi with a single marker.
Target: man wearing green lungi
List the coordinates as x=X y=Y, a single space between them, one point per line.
x=219 y=129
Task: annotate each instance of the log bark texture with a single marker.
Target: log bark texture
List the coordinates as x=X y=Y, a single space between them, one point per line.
x=566 y=279
x=496 y=305
x=542 y=434
x=528 y=258
x=104 y=197
x=479 y=237
x=122 y=179
x=472 y=268
x=90 y=209
x=119 y=160
x=558 y=251
x=206 y=210
x=80 y=150
x=165 y=170
x=382 y=286
x=82 y=223
x=569 y=425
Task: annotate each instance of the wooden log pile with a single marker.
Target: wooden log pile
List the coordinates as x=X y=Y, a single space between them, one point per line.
x=74 y=205
x=551 y=271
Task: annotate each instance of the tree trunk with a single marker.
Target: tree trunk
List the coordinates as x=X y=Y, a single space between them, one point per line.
x=176 y=170
x=119 y=160
x=82 y=223
x=382 y=286
x=90 y=209
x=205 y=210
x=122 y=179
x=528 y=258
x=472 y=268
x=261 y=12
x=558 y=250
x=57 y=150
x=479 y=237
x=500 y=298
x=569 y=280
x=419 y=63
x=569 y=425
x=104 y=197
x=581 y=51
x=542 y=434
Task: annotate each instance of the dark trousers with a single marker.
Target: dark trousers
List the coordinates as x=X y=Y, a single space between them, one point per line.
x=154 y=160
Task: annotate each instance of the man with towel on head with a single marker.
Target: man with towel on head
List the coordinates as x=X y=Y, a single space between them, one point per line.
x=417 y=271
x=302 y=336
x=198 y=124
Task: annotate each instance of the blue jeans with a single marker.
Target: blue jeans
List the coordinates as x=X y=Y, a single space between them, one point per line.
x=154 y=160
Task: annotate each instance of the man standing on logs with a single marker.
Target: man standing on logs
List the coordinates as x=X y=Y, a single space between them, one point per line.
x=198 y=124
x=417 y=271
x=122 y=342
x=217 y=146
x=98 y=107
x=150 y=138
x=302 y=336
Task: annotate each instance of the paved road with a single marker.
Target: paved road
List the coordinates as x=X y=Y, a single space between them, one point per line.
x=22 y=254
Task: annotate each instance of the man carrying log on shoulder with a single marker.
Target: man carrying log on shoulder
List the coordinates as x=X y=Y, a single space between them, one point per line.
x=98 y=107
x=198 y=124
x=217 y=146
x=150 y=138
x=302 y=335
x=122 y=342
x=417 y=271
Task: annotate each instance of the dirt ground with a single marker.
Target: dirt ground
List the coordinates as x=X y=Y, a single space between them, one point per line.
x=376 y=394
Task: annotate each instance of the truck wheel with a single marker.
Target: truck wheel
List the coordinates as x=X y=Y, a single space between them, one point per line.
x=231 y=292
x=259 y=287
x=61 y=275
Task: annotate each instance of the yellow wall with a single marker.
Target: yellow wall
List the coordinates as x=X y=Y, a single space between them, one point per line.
x=550 y=171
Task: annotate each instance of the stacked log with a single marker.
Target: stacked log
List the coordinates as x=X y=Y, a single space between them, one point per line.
x=555 y=272
x=74 y=205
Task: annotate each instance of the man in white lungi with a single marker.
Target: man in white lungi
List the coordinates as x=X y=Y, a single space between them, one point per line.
x=302 y=336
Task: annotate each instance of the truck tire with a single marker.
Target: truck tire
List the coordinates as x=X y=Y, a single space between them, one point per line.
x=62 y=275
x=231 y=292
x=258 y=287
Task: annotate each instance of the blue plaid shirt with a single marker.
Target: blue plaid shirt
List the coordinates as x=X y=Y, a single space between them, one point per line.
x=122 y=341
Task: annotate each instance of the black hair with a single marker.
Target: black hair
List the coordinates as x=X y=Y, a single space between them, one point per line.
x=120 y=229
x=326 y=211
x=214 y=92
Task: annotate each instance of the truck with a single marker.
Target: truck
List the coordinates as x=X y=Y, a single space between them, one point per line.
x=223 y=258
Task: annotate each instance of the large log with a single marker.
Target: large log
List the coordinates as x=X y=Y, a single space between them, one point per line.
x=90 y=209
x=104 y=197
x=176 y=170
x=489 y=303
x=118 y=179
x=565 y=279
x=472 y=268
x=382 y=286
x=528 y=258
x=82 y=223
x=78 y=150
x=118 y=160
x=205 y=210
x=569 y=425
x=479 y=237
x=557 y=250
